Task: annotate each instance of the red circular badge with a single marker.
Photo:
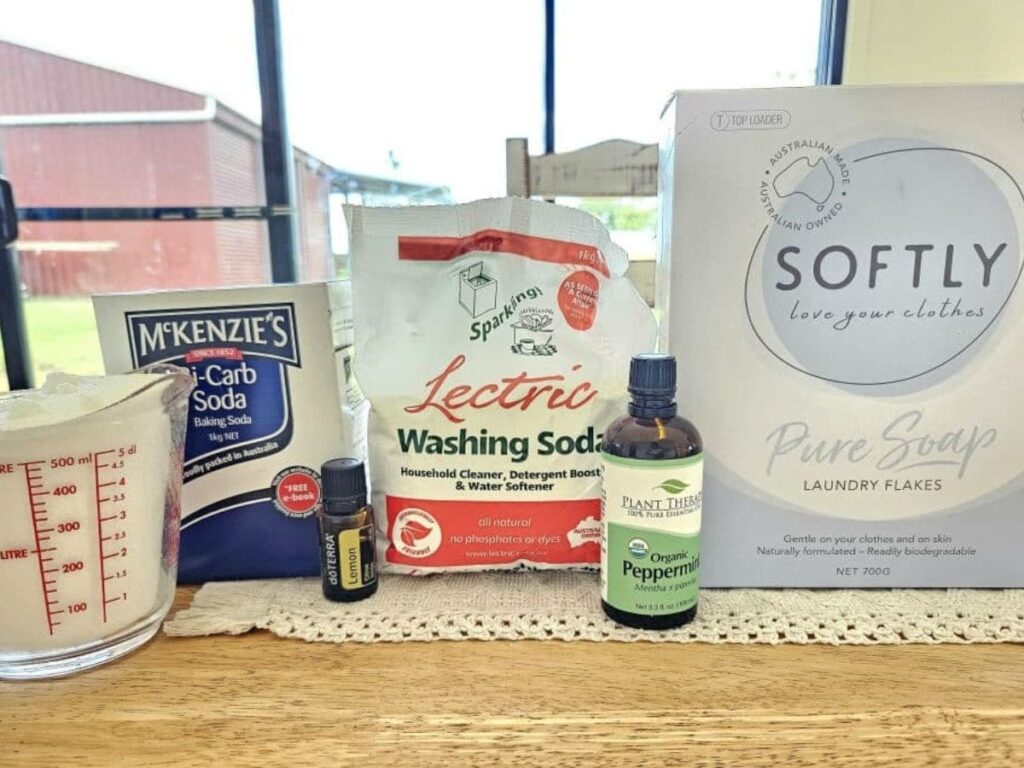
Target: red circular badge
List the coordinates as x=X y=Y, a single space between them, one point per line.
x=577 y=298
x=297 y=491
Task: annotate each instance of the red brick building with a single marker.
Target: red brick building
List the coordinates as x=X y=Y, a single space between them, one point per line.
x=77 y=135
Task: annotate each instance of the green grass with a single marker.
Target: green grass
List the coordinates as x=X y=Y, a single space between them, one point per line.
x=61 y=337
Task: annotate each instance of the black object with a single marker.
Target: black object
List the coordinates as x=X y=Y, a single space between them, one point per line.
x=549 y=76
x=348 y=557
x=150 y=213
x=832 y=42
x=344 y=485
x=653 y=375
x=13 y=335
x=278 y=160
x=8 y=214
x=652 y=386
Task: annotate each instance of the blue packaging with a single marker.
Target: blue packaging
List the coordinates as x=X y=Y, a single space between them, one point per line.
x=266 y=412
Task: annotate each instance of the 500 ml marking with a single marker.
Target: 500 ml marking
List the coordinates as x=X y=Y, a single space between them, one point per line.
x=46 y=496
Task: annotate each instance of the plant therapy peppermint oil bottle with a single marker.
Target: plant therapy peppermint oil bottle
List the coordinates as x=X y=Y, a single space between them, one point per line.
x=651 y=504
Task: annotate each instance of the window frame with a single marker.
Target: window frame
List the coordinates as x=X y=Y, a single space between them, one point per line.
x=279 y=209
x=832 y=42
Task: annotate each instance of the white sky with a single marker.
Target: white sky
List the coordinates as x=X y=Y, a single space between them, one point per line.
x=440 y=84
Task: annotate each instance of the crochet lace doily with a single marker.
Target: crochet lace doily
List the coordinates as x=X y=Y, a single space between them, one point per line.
x=563 y=605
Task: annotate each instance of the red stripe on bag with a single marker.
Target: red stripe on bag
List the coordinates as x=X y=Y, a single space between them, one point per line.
x=436 y=533
x=496 y=240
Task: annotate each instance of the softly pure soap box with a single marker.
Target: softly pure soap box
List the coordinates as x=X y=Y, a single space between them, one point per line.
x=840 y=267
x=272 y=403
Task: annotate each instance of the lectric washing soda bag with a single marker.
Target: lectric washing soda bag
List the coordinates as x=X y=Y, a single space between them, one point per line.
x=493 y=341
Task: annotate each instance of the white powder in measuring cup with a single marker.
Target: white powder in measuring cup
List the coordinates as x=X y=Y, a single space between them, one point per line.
x=84 y=465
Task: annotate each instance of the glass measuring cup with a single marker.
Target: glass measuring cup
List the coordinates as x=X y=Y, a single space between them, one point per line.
x=90 y=482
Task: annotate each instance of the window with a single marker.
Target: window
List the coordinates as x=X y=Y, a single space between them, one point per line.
x=111 y=112
x=145 y=111
x=617 y=65
x=418 y=92
x=615 y=69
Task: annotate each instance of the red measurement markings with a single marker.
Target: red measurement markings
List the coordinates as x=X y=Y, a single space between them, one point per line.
x=103 y=496
x=37 y=508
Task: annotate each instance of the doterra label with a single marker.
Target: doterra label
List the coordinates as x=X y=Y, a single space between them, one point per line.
x=650 y=534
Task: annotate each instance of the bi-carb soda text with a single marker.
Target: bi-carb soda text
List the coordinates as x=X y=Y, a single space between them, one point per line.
x=220 y=371
x=238 y=357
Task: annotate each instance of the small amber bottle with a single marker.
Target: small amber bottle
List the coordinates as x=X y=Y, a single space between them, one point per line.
x=651 y=504
x=348 y=558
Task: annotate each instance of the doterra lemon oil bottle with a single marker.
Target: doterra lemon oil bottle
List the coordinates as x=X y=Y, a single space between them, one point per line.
x=348 y=560
x=651 y=504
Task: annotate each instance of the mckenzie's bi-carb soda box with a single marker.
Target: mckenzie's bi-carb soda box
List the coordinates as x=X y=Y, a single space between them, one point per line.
x=840 y=267
x=269 y=408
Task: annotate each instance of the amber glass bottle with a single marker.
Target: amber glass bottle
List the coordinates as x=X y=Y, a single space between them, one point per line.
x=651 y=504
x=348 y=558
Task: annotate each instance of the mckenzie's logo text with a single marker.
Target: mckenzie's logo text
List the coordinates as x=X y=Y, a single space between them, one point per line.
x=265 y=329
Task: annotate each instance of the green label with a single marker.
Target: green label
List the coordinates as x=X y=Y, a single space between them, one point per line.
x=650 y=526
x=650 y=572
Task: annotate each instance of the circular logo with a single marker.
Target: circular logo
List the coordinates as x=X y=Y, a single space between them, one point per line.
x=296 y=492
x=917 y=269
x=805 y=184
x=415 y=533
x=638 y=548
x=577 y=298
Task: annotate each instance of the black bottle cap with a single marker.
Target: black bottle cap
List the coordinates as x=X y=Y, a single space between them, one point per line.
x=343 y=480
x=652 y=375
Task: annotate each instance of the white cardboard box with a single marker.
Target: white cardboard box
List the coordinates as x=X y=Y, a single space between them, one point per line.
x=873 y=449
